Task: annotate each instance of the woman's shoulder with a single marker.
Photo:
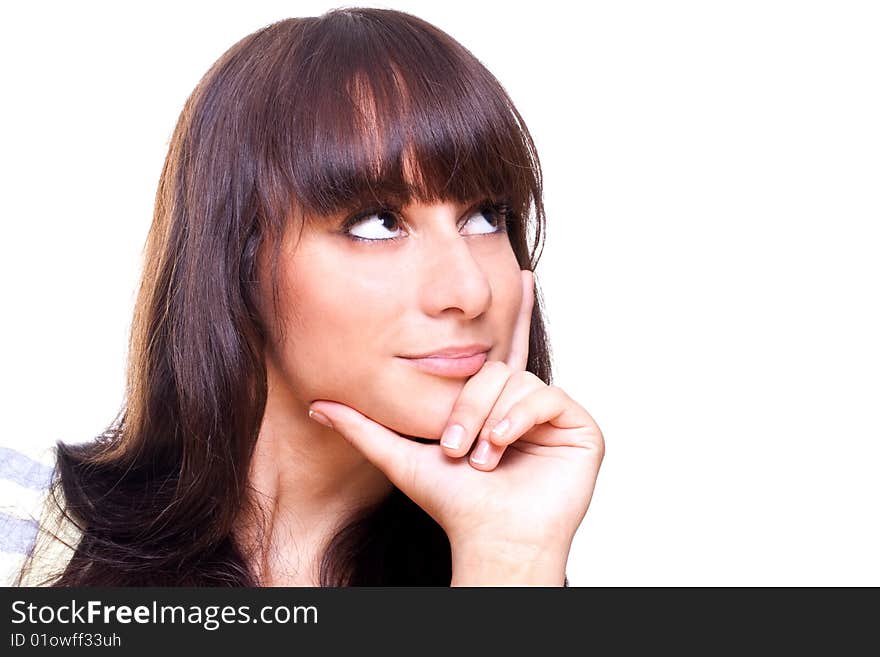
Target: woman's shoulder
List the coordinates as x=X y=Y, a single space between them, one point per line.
x=30 y=519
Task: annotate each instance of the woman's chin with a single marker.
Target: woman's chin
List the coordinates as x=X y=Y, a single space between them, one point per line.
x=423 y=420
x=420 y=434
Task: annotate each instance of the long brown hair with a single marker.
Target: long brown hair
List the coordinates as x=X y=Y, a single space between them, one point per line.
x=316 y=115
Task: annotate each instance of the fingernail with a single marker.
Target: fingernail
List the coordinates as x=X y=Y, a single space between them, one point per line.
x=320 y=417
x=481 y=453
x=501 y=427
x=453 y=436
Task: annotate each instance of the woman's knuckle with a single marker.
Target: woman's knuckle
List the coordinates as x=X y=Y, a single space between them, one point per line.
x=520 y=376
x=496 y=366
x=557 y=391
x=464 y=413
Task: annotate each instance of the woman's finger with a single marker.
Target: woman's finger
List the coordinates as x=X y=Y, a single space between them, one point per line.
x=487 y=453
x=394 y=455
x=519 y=347
x=547 y=404
x=474 y=403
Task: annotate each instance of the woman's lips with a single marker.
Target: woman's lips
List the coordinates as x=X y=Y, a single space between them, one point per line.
x=451 y=367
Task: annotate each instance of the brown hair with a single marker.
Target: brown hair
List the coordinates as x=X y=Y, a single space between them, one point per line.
x=305 y=117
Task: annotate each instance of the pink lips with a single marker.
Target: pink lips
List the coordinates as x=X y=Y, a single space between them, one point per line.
x=452 y=367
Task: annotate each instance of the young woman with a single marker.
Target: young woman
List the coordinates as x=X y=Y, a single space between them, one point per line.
x=338 y=372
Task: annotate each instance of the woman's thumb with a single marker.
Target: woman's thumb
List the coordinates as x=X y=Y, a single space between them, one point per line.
x=395 y=455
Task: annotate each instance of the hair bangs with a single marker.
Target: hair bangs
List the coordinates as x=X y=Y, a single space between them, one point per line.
x=384 y=113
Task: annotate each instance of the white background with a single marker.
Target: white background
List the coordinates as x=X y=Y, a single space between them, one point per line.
x=710 y=271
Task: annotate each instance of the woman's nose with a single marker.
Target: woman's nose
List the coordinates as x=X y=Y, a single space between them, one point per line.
x=451 y=277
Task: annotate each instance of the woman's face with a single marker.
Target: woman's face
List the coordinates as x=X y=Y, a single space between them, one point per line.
x=353 y=309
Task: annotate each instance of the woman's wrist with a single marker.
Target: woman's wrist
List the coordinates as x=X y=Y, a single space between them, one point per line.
x=487 y=564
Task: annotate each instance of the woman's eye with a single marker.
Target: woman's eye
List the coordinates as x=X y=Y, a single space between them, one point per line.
x=491 y=216
x=376 y=224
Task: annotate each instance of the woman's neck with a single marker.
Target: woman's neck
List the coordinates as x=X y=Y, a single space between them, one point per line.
x=308 y=482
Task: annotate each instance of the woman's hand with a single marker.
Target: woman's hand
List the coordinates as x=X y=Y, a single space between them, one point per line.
x=522 y=494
